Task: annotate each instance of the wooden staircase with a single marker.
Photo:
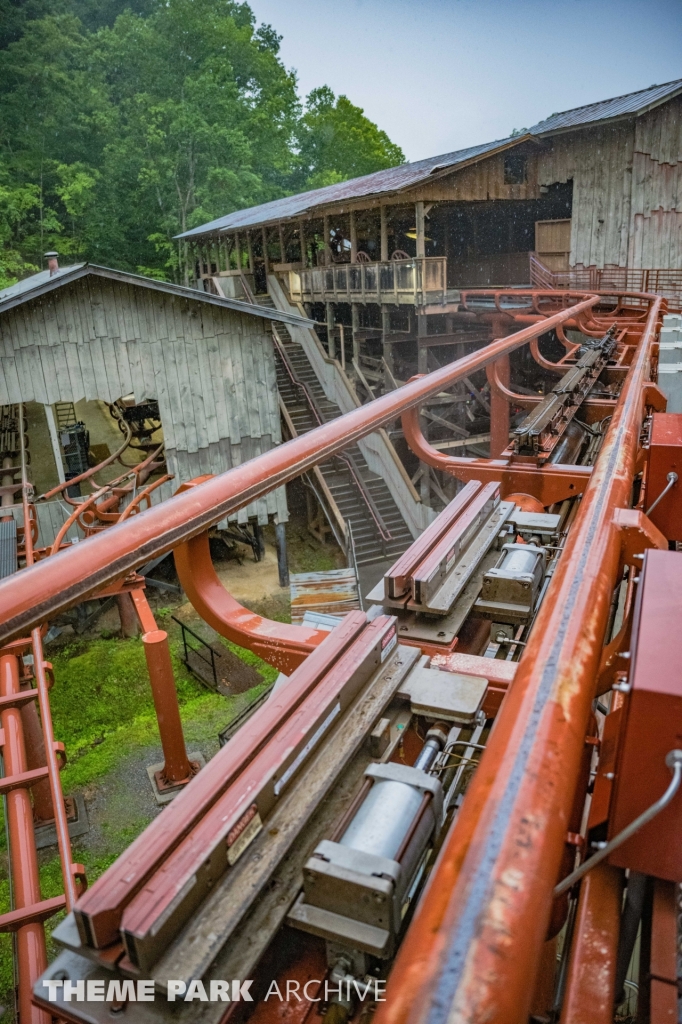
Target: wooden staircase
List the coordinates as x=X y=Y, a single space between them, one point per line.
x=363 y=498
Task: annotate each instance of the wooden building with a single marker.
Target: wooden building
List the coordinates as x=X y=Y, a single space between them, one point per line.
x=87 y=332
x=589 y=198
x=592 y=189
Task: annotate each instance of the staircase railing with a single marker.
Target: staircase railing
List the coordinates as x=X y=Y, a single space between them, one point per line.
x=347 y=459
x=379 y=453
x=318 y=485
x=540 y=275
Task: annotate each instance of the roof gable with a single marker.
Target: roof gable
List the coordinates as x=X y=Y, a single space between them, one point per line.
x=632 y=104
x=43 y=282
x=393 y=179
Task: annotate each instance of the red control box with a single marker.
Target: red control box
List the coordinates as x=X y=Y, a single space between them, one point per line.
x=652 y=724
x=665 y=456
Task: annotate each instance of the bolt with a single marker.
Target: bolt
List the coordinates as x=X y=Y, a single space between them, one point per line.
x=621 y=686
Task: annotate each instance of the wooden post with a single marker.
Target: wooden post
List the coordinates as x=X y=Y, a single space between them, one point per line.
x=387 y=348
x=238 y=250
x=422 y=350
x=355 y=315
x=282 y=247
x=353 y=238
x=266 y=262
x=249 y=249
x=419 y=218
x=342 y=343
x=54 y=441
x=282 y=561
x=327 y=251
x=384 y=235
x=301 y=241
x=331 y=341
x=423 y=367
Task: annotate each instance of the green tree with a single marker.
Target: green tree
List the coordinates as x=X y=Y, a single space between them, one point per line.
x=125 y=122
x=207 y=114
x=56 y=118
x=336 y=141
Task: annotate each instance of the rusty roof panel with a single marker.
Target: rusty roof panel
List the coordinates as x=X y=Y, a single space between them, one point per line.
x=393 y=179
x=605 y=110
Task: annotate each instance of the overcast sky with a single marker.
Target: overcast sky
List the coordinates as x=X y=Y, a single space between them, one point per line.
x=440 y=75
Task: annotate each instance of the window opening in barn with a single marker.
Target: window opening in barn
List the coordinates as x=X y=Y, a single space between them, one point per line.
x=515 y=169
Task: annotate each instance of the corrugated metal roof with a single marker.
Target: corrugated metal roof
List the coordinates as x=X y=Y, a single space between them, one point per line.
x=404 y=176
x=606 y=110
x=39 y=284
x=29 y=284
x=391 y=180
x=8 y=547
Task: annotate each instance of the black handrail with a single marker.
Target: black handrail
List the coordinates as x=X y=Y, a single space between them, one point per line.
x=209 y=661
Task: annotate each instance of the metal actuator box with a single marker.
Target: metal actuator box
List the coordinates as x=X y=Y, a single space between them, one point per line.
x=510 y=590
x=354 y=890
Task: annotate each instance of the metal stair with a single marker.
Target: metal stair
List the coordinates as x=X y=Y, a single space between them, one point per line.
x=363 y=498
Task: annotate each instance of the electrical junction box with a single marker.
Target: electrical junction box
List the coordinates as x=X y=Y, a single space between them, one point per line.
x=652 y=724
x=665 y=456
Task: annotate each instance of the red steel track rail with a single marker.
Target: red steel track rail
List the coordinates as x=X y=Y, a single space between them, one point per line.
x=473 y=949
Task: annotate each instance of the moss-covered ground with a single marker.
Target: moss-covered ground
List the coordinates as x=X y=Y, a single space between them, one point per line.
x=103 y=712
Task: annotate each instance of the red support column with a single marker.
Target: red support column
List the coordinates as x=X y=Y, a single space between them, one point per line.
x=30 y=938
x=130 y=625
x=590 y=988
x=499 y=407
x=36 y=757
x=663 y=965
x=499 y=412
x=177 y=768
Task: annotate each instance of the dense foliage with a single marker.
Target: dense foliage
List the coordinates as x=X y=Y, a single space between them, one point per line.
x=124 y=122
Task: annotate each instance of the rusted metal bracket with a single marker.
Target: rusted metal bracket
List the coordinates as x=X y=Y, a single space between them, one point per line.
x=637 y=534
x=34 y=914
x=654 y=397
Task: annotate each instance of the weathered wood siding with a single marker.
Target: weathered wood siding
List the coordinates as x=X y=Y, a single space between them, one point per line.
x=211 y=370
x=483 y=180
x=627 y=186
x=656 y=215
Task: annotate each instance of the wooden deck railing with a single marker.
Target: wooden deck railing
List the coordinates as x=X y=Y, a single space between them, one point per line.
x=415 y=281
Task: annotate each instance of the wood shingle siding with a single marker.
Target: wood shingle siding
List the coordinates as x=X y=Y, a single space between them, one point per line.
x=210 y=368
x=627 y=189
